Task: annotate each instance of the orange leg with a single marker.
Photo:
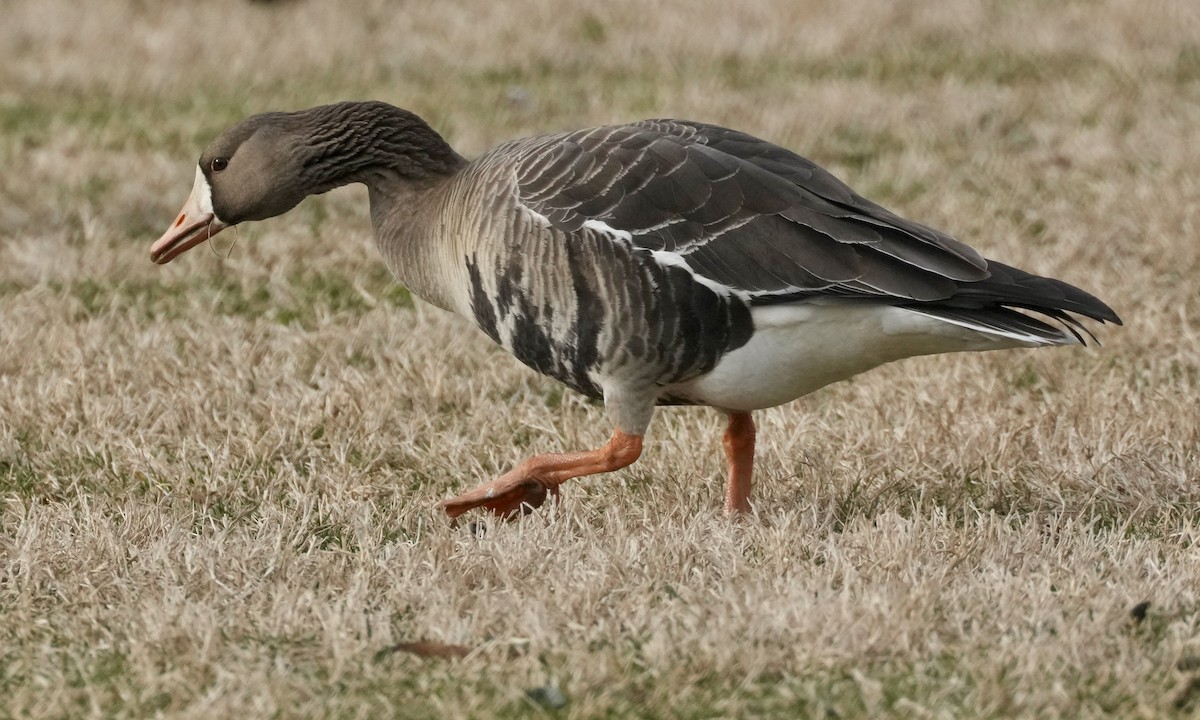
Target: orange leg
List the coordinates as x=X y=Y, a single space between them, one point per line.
x=739 y=457
x=525 y=487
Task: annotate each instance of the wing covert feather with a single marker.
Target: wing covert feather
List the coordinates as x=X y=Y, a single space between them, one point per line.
x=738 y=211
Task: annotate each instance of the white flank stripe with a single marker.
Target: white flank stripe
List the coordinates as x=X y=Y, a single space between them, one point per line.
x=670 y=259
x=601 y=226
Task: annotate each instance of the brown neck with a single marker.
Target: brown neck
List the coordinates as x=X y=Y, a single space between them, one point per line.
x=359 y=141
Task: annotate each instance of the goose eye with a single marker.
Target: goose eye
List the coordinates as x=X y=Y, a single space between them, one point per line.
x=219 y=164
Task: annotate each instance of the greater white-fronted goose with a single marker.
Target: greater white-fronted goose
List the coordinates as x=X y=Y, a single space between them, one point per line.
x=659 y=262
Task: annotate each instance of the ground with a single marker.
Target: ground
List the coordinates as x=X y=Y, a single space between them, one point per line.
x=218 y=477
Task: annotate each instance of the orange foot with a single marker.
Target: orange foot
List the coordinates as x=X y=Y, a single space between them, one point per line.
x=507 y=496
x=526 y=486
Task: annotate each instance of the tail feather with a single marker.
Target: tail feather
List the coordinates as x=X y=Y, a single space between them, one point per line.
x=988 y=306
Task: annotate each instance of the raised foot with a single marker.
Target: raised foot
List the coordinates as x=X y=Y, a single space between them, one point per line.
x=525 y=487
x=506 y=497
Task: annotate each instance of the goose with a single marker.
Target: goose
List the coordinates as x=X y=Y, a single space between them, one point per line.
x=653 y=263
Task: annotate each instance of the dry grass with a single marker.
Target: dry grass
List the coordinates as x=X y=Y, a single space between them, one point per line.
x=218 y=477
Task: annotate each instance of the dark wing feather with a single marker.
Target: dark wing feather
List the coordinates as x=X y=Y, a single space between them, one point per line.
x=770 y=224
x=741 y=211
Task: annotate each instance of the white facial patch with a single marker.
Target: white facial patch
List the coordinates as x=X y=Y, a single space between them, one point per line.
x=195 y=223
x=200 y=201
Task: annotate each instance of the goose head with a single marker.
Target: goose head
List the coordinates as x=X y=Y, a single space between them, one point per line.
x=252 y=171
x=266 y=164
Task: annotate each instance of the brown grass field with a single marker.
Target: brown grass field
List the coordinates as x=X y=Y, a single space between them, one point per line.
x=218 y=478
